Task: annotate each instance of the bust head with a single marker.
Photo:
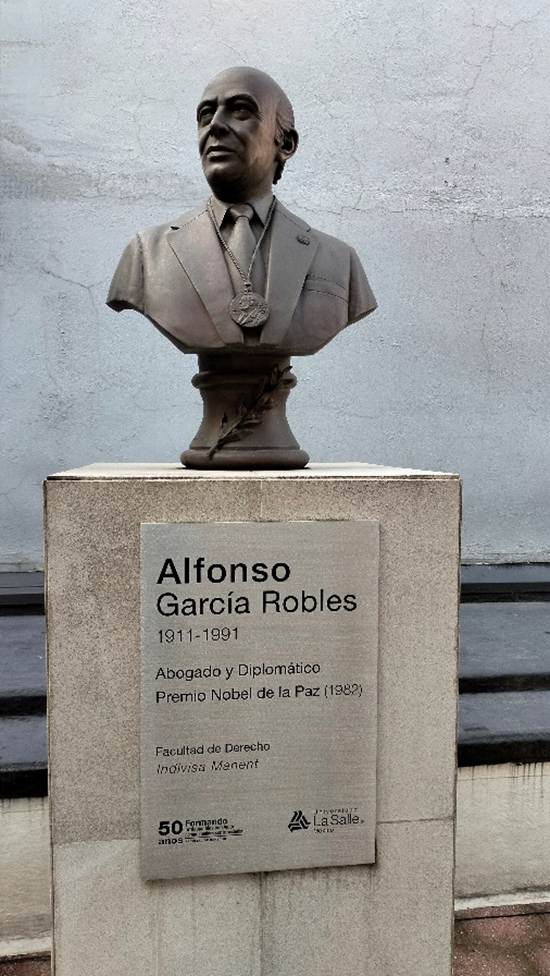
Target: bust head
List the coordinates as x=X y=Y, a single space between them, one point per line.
x=246 y=133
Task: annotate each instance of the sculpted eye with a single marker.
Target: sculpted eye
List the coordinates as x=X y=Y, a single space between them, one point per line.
x=204 y=116
x=242 y=111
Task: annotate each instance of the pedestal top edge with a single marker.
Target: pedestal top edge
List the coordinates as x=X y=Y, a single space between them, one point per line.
x=155 y=472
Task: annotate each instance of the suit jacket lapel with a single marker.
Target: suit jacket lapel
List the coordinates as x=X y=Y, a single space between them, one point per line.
x=291 y=253
x=199 y=252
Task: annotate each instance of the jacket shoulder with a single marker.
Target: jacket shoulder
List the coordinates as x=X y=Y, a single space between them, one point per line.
x=319 y=236
x=128 y=285
x=151 y=235
x=333 y=243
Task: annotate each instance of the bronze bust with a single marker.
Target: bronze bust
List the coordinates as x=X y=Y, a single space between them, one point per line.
x=241 y=281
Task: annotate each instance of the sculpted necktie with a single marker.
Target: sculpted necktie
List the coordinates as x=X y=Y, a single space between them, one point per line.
x=242 y=242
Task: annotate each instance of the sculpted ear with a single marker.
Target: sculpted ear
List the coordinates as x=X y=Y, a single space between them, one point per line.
x=287 y=144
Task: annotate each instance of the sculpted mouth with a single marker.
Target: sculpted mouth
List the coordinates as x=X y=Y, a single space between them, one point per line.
x=214 y=150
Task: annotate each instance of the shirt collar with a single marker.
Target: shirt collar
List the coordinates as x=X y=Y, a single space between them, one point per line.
x=261 y=208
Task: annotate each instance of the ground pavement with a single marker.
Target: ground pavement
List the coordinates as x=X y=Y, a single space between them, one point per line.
x=510 y=945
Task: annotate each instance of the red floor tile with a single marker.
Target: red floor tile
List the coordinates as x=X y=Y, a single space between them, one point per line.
x=540 y=958
x=517 y=945
x=26 y=967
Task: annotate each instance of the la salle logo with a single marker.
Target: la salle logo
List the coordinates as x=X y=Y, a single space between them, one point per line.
x=298 y=821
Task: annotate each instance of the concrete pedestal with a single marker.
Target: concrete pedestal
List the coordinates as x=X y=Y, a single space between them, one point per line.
x=390 y=919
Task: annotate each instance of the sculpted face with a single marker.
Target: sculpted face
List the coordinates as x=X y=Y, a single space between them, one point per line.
x=238 y=134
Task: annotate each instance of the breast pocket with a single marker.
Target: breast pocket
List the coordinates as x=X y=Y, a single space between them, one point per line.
x=326 y=286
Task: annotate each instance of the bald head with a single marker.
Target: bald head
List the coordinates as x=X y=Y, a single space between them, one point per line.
x=262 y=84
x=246 y=133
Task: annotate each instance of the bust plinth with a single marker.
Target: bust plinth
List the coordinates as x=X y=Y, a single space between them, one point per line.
x=244 y=421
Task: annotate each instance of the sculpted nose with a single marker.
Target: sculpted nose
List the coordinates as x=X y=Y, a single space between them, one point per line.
x=218 y=124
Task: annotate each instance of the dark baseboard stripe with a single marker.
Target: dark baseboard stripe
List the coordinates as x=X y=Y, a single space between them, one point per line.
x=535 y=750
x=17 y=706
x=26 y=782
x=476 y=685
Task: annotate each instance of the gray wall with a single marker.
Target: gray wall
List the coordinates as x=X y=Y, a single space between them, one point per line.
x=425 y=144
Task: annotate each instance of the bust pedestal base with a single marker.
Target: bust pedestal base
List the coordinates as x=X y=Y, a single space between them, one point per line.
x=244 y=423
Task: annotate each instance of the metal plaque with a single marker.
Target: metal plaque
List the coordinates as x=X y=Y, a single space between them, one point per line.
x=259 y=649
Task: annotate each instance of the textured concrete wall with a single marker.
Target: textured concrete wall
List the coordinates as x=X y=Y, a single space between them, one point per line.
x=25 y=877
x=424 y=144
x=502 y=825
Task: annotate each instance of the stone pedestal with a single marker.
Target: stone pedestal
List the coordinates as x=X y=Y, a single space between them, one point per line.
x=393 y=918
